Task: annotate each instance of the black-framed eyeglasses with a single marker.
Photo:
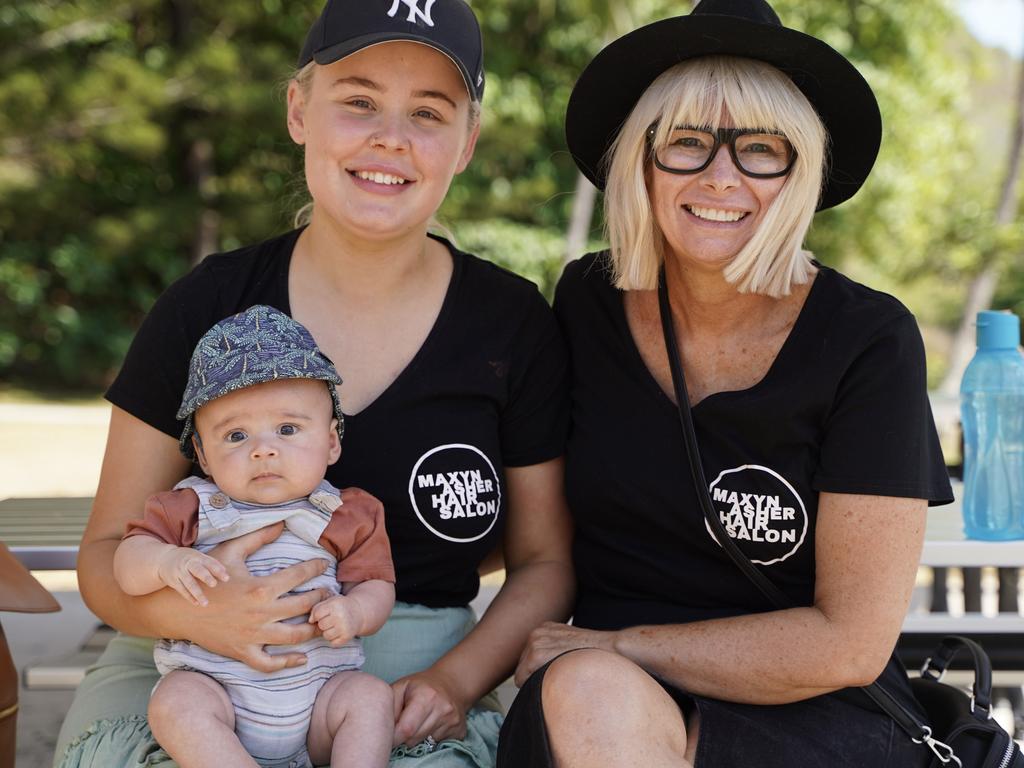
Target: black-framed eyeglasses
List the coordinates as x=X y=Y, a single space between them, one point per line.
x=756 y=153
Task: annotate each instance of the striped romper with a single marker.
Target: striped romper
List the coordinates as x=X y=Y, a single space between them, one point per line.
x=272 y=710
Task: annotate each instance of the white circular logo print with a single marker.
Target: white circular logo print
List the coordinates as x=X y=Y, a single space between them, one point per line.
x=760 y=511
x=455 y=492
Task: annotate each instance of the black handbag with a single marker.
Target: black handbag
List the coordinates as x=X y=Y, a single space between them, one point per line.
x=961 y=731
x=966 y=722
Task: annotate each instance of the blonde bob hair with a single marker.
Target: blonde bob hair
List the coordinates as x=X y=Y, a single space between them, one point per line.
x=697 y=92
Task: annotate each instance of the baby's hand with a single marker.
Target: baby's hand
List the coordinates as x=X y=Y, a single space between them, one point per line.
x=339 y=618
x=181 y=569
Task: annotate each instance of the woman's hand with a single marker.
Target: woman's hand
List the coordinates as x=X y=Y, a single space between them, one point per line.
x=552 y=639
x=426 y=704
x=246 y=612
x=538 y=585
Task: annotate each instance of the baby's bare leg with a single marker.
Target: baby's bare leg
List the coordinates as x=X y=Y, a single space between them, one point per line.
x=353 y=722
x=191 y=717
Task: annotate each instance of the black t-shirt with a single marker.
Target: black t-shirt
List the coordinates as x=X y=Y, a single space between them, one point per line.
x=487 y=390
x=843 y=409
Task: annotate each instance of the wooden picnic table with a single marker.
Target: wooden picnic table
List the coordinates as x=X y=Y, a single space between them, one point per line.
x=44 y=533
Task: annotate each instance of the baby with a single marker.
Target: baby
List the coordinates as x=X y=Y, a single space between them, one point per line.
x=263 y=419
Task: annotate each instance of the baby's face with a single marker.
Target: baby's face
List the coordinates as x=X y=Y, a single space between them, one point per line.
x=268 y=443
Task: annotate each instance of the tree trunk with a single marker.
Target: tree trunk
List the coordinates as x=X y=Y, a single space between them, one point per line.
x=180 y=14
x=979 y=296
x=983 y=286
x=197 y=155
x=207 y=228
x=582 y=214
x=1007 y=209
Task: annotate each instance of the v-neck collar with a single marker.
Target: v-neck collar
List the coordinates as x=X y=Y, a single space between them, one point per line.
x=458 y=263
x=803 y=321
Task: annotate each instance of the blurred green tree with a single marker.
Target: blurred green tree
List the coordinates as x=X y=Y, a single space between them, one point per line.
x=135 y=137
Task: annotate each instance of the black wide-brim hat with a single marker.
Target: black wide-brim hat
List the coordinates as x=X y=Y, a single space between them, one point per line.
x=613 y=82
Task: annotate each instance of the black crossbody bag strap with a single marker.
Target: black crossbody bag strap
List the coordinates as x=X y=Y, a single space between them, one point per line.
x=882 y=698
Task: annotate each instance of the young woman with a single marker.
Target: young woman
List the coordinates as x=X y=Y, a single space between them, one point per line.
x=454 y=394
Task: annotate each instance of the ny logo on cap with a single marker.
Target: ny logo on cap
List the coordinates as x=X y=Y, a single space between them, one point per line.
x=414 y=10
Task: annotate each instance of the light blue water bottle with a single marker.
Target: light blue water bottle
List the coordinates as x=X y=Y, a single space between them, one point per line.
x=992 y=413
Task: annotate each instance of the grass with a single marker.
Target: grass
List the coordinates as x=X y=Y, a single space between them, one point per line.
x=15 y=395
x=50 y=448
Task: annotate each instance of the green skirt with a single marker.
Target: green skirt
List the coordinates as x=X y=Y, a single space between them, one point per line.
x=106 y=725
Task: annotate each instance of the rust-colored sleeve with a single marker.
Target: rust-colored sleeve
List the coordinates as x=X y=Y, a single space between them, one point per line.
x=356 y=536
x=172 y=517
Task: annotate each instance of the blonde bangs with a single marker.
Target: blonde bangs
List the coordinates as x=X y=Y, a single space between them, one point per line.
x=699 y=93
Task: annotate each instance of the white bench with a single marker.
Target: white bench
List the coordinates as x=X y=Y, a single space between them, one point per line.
x=1002 y=634
x=44 y=535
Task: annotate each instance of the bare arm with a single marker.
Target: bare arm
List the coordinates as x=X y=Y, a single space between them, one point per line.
x=136 y=564
x=539 y=586
x=143 y=564
x=867 y=550
x=375 y=598
x=245 y=613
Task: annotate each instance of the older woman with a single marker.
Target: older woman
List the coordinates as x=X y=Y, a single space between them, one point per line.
x=716 y=136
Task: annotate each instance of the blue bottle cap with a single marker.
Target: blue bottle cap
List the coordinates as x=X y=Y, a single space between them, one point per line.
x=998 y=330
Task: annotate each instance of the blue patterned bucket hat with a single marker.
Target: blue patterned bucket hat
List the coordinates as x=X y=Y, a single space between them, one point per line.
x=255 y=346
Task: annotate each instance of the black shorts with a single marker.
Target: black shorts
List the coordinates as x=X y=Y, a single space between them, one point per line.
x=823 y=732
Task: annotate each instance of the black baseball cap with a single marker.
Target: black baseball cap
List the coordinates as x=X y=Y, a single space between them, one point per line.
x=449 y=26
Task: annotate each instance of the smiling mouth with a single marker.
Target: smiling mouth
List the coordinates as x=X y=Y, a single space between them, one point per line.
x=379 y=178
x=715 y=214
